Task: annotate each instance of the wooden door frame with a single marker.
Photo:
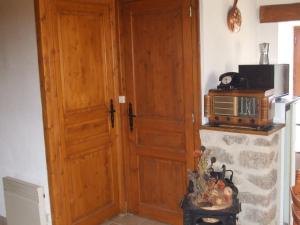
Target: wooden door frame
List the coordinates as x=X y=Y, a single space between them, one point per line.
x=196 y=90
x=279 y=13
x=51 y=118
x=197 y=72
x=294 y=63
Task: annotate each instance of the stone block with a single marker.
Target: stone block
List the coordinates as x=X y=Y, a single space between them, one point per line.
x=221 y=154
x=261 y=217
x=235 y=139
x=255 y=160
x=265 y=182
x=258 y=199
x=262 y=142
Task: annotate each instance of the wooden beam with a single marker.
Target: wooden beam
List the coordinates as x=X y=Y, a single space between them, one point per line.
x=279 y=13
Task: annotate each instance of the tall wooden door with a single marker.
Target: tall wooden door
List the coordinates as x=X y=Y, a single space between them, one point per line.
x=77 y=54
x=297 y=61
x=158 y=66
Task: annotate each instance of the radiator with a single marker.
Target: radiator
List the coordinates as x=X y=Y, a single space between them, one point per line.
x=24 y=203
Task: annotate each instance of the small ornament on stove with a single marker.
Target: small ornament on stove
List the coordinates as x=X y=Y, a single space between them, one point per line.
x=211 y=190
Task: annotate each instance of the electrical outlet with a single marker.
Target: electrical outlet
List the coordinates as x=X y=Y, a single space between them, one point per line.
x=122 y=99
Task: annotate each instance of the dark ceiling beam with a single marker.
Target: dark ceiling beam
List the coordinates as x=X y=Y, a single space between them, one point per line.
x=279 y=13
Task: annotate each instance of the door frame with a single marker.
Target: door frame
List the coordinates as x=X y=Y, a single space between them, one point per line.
x=51 y=119
x=296 y=77
x=195 y=7
x=279 y=12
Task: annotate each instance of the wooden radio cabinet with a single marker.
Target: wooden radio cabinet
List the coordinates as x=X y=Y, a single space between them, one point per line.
x=250 y=108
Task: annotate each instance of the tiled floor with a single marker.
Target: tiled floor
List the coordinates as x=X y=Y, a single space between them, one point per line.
x=129 y=219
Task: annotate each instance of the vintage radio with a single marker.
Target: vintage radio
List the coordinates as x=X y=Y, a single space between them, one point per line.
x=251 y=108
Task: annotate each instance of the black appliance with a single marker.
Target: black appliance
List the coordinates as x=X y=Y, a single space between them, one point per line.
x=193 y=215
x=267 y=77
x=232 y=81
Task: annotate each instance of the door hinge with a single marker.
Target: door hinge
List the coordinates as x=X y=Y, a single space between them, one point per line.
x=193 y=118
x=191 y=11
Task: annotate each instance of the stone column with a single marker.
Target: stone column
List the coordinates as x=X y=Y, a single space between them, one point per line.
x=255 y=162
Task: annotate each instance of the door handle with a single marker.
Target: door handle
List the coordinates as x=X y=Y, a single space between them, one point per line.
x=112 y=113
x=131 y=116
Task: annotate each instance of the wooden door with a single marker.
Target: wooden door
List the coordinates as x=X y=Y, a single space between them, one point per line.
x=297 y=61
x=158 y=55
x=78 y=78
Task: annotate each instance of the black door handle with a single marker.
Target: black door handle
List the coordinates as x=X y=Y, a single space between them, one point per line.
x=131 y=116
x=112 y=113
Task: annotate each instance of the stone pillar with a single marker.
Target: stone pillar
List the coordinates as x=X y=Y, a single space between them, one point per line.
x=255 y=162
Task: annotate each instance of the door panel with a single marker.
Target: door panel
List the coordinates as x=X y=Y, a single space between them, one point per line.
x=148 y=31
x=78 y=34
x=90 y=177
x=158 y=65
x=152 y=172
x=82 y=59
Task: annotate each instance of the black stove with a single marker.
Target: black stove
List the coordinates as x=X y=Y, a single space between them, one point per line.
x=211 y=214
x=197 y=216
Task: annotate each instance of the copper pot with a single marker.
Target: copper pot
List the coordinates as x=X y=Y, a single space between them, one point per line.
x=234 y=18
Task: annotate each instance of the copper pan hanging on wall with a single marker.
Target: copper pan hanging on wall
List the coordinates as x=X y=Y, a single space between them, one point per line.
x=234 y=18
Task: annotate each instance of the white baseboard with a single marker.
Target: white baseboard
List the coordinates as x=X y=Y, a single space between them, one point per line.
x=2 y=220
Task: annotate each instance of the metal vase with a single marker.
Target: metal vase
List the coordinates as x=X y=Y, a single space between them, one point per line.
x=264 y=53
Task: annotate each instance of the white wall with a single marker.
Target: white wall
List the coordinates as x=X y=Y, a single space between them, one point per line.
x=22 y=151
x=221 y=50
x=286 y=46
x=280 y=37
x=268 y=32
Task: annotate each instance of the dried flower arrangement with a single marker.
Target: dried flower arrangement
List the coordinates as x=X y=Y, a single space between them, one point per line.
x=210 y=189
